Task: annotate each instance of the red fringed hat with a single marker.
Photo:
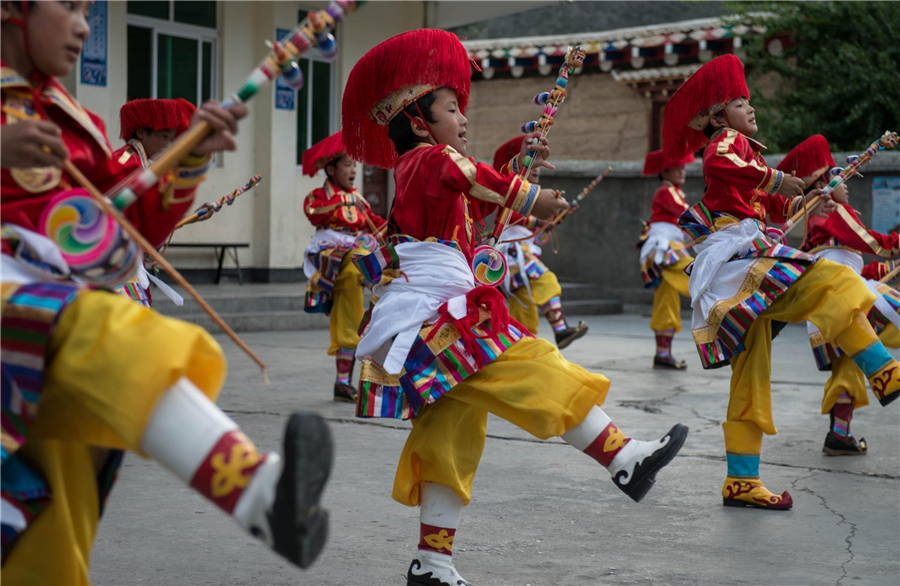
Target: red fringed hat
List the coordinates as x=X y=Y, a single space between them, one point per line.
x=704 y=93
x=507 y=151
x=155 y=115
x=656 y=162
x=393 y=75
x=323 y=152
x=809 y=159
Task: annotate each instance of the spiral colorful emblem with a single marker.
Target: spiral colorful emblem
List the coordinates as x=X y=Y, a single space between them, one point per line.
x=92 y=243
x=489 y=266
x=542 y=238
x=366 y=242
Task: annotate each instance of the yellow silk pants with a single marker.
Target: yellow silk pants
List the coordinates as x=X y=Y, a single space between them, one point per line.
x=666 y=301
x=108 y=363
x=347 y=310
x=530 y=385
x=543 y=289
x=846 y=377
x=829 y=295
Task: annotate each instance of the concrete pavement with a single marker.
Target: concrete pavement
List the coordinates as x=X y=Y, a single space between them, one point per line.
x=542 y=513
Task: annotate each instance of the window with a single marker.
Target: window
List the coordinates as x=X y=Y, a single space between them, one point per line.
x=316 y=111
x=172 y=50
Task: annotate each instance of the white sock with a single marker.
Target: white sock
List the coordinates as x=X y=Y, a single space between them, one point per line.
x=202 y=446
x=184 y=427
x=583 y=436
x=439 y=506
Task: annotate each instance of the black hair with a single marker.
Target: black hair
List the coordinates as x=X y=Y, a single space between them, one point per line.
x=400 y=128
x=332 y=162
x=812 y=185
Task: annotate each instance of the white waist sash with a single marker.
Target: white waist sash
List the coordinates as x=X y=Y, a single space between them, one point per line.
x=434 y=274
x=659 y=239
x=324 y=237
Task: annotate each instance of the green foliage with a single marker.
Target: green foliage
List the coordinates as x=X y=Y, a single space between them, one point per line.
x=840 y=76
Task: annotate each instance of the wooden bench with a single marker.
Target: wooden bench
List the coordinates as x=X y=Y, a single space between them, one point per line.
x=219 y=248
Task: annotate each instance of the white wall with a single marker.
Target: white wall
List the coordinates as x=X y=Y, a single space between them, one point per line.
x=270 y=217
x=106 y=101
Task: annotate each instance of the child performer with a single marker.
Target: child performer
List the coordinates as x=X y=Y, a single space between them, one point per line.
x=147 y=127
x=437 y=349
x=664 y=256
x=85 y=371
x=529 y=283
x=842 y=238
x=335 y=286
x=744 y=285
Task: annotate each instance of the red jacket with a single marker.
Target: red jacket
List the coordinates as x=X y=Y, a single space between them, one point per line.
x=844 y=228
x=331 y=207
x=738 y=182
x=877 y=270
x=25 y=192
x=668 y=204
x=441 y=194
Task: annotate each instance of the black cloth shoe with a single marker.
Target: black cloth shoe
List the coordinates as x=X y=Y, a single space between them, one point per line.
x=669 y=362
x=836 y=446
x=569 y=335
x=344 y=393
x=636 y=472
x=297 y=526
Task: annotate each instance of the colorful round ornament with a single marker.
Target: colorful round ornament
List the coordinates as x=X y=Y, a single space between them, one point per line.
x=91 y=242
x=543 y=238
x=775 y=234
x=489 y=266
x=366 y=242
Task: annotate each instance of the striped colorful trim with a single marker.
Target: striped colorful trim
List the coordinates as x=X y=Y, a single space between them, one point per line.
x=427 y=376
x=385 y=262
x=25 y=492
x=730 y=335
x=534 y=268
x=318 y=302
x=320 y=287
x=825 y=353
x=29 y=314
x=133 y=290
x=697 y=222
x=373 y=265
x=651 y=272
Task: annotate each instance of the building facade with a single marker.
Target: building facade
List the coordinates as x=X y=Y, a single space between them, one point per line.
x=619 y=95
x=200 y=50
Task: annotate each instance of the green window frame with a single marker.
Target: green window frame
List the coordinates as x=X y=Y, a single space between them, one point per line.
x=160 y=35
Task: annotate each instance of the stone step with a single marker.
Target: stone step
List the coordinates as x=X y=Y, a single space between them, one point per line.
x=592 y=307
x=279 y=307
x=581 y=291
x=233 y=299
x=230 y=305
x=261 y=321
